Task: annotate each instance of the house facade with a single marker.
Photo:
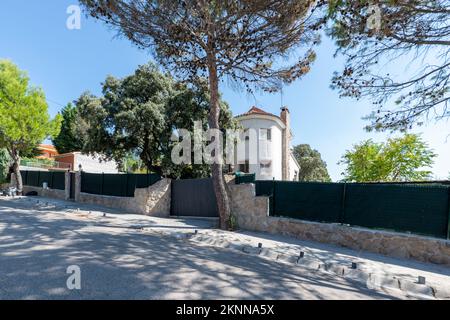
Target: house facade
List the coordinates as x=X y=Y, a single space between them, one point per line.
x=87 y=163
x=46 y=151
x=265 y=147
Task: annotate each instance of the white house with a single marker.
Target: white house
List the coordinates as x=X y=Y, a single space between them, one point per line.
x=265 y=147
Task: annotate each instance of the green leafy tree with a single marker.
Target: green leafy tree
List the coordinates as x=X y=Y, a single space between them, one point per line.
x=312 y=167
x=24 y=118
x=399 y=159
x=137 y=115
x=69 y=139
x=5 y=162
x=364 y=163
x=189 y=104
x=128 y=118
x=133 y=164
x=247 y=42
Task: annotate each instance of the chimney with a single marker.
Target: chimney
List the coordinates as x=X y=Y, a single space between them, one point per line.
x=286 y=141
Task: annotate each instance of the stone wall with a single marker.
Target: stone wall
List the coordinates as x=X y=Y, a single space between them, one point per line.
x=252 y=213
x=49 y=193
x=156 y=199
x=152 y=201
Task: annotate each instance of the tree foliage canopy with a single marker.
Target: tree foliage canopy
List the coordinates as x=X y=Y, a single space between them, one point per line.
x=243 y=38
x=69 y=139
x=137 y=115
x=129 y=117
x=5 y=162
x=24 y=118
x=189 y=104
x=399 y=159
x=372 y=34
x=312 y=167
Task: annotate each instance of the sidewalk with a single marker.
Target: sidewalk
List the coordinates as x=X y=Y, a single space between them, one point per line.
x=374 y=270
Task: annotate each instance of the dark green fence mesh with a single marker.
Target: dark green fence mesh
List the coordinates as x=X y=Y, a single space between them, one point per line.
x=264 y=187
x=146 y=180
x=59 y=180
x=421 y=209
x=54 y=179
x=417 y=208
x=32 y=178
x=44 y=176
x=119 y=185
x=245 y=178
x=91 y=183
x=115 y=185
x=308 y=201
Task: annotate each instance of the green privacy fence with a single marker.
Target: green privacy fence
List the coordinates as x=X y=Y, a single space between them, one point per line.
x=245 y=178
x=119 y=185
x=414 y=208
x=54 y=179
x=421 y=209
x=264 y=187
x=308 y=201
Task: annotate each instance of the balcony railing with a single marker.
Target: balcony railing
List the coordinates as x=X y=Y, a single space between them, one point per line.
x=53 y=165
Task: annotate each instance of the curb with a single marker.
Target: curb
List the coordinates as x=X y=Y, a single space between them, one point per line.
x=369 y=279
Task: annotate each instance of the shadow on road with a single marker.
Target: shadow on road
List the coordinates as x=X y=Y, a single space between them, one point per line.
x=37 y=245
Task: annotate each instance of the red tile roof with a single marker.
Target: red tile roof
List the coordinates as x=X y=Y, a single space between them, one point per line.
x=47 y=147
x=256 y=110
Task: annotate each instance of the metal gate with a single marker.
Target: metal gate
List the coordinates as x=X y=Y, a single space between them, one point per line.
x=72 y=186
x=193 y=197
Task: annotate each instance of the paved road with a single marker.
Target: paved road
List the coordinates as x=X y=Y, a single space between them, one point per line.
x=38 y=243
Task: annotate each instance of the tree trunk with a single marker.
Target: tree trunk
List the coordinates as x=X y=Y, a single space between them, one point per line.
x=18 y=176
x=220 y=190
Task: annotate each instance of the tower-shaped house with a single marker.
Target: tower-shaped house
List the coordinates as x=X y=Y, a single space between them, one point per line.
x=265 y=146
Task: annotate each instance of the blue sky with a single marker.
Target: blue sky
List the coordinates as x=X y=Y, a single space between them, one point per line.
x=66 y=63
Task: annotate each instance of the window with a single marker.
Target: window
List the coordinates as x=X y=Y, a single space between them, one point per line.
x=266 y=168
x=246 y=135
x=265 y=165
x=265 y=134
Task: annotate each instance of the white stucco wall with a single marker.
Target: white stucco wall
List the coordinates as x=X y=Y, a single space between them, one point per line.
x=93 y=164
x=293 y=168
x=275 y=148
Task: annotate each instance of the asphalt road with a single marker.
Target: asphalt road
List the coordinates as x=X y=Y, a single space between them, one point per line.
x=38 y=244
